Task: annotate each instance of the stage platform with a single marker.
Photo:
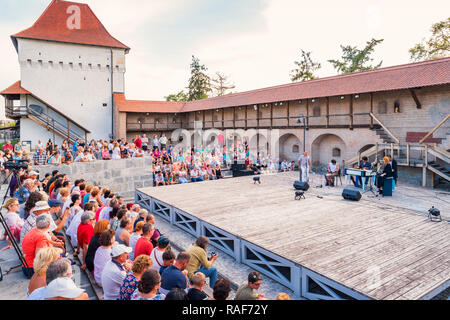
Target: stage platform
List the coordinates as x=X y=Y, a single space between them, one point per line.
x=321 y=248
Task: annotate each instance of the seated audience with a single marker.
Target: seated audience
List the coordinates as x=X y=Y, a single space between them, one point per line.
x=175 y=276
x=130 y=283
x=115 y=271
x=196 y=291
x=144 y=245
x=221 y=290
x=157 y=253
x=147 y=288
x=103 y=254
x=246 y=290
x=94 y=244
x=43 y=258
x=199 y=262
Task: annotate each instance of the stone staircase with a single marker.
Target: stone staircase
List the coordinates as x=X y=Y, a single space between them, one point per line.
x=382 y=134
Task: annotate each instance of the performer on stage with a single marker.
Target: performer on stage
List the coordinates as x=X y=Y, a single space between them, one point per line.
x=393 y=163
x=304 y=164
x=365 y=165
x=387 y=173
x=332 y=171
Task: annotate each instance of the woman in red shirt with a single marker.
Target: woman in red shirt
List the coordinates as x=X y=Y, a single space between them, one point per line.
x=84 y=233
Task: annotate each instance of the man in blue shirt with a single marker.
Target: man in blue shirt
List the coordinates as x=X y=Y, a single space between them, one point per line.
x=175 y=276
x=365 y=165
x=24 y=191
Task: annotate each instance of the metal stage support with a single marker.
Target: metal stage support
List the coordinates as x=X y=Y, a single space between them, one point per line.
x=302 y=281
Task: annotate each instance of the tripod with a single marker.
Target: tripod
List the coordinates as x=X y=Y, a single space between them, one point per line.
x=371 y=188
x=13 y=173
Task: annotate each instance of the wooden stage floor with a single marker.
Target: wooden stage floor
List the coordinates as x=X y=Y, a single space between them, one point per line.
x=379 y=252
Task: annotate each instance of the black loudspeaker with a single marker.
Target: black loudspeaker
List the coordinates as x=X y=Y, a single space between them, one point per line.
x=350 y=194
x=242 y=173
x=236 y=166
x=299 y=185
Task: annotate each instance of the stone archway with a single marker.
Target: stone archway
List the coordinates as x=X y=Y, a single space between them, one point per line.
x=258 y=143
x=324 y=146
x=289 y=147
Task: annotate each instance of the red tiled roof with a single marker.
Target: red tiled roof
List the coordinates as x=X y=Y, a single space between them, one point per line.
x=15 y=89
x=53 y=25
x=413 y=75
x=125 y=105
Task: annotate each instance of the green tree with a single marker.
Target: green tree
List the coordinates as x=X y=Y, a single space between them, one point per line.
x=199 y=82
x=437 y=46
x=306 y=68
x=221 y=84
x=354 y=59
x=180 y=96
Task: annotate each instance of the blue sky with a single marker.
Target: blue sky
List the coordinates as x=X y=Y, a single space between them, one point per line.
x=254 y=42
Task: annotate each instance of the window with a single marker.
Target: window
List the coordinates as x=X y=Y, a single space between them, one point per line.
x=215 y=116
x=382 y=107
x=295 y=148
x=336 y=152
x=316 y=111
x=396 y=107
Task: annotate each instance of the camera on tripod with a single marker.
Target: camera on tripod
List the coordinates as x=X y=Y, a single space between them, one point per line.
x=16 y=164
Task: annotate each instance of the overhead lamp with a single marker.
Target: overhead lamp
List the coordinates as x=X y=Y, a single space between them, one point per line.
x=313 y=100
x=276 y=103
x=342 y=97
x=255 y=107
x=217 y=110
x=147 y=114
x=281 y=103
x=356 y=96
x=299 y=101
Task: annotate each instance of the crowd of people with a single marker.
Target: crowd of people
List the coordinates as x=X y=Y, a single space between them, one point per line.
x=118 y=243
x=171 y=164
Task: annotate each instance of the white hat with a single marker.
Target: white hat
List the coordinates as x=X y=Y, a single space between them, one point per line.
x=41 y=205
x=62 y=287
x=119 y=249
x=33 y=173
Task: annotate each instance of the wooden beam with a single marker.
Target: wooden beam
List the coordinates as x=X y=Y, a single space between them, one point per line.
x=328 y=111
x=416 y=100
x=246 y=123
x=435 y=128
x=223 y=119
x=307 y=114
x=371 y=110
x=351 y=112
x=288 y=115
x=68 y=131
x=234 y=117
x=203 y=121
x=271 y=115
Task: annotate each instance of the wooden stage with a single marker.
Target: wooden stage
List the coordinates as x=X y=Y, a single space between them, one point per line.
x=327 y=248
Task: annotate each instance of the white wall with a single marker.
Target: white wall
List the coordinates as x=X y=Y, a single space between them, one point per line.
x=52 y=72
x=31 y=131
